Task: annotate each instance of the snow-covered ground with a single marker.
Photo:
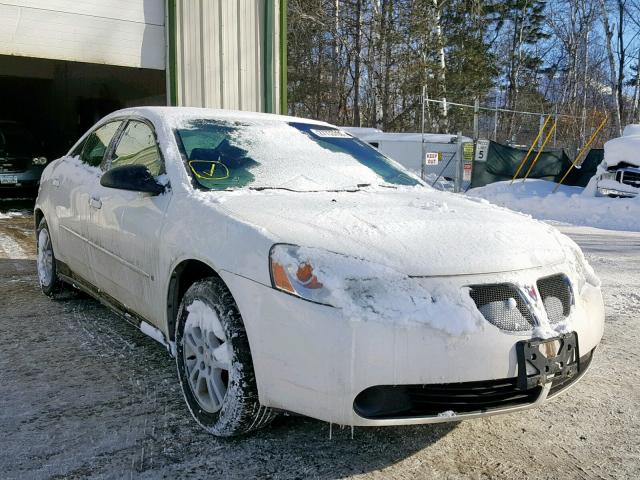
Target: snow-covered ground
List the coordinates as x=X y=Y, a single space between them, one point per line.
x=84 y=394
x=570 y=205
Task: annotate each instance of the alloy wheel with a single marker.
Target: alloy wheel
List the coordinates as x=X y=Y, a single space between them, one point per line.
x=207 y=357
x=45 y=258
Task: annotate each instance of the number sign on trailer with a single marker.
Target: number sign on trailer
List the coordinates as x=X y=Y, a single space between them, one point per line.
x=482 y=150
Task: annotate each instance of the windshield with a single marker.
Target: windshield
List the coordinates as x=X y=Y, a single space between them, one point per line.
x=224 y=155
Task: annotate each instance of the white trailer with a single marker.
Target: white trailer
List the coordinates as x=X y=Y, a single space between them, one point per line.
x=428 y=154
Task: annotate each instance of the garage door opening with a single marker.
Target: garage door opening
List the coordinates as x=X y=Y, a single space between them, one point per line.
x=60 y=100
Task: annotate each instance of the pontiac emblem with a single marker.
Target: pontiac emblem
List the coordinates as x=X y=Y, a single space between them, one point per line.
x=532 y=292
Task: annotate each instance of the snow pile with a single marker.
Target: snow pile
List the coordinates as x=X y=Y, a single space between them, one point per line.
x=439 y=182
x=13 y=213
x=572 y=205
x=367 y=291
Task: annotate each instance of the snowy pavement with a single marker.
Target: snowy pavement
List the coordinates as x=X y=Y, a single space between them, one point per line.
x=83 y=394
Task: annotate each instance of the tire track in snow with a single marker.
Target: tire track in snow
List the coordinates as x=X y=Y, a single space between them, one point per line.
x=11 y=248
x=16 y=238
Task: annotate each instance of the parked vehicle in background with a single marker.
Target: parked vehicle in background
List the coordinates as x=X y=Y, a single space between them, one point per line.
x=619 y=173
x=21 y=160
x=288 y=266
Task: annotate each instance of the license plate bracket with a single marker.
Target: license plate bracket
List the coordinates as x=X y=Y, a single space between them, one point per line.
x=550 y=358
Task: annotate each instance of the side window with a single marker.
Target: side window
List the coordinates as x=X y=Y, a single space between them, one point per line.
x=138 y=146
x=96 y=144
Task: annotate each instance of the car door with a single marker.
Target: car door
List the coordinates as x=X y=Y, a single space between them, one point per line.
x=125 y=226
x=71 y=186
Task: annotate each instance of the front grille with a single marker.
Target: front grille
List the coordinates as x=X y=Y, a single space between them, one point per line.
x=431 y=400
x=556 y=295
x=405 y=401
x=503 y=306
x=631 y=178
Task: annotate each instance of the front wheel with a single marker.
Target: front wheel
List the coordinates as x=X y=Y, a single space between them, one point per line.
x=46 y=261
x=214 y=362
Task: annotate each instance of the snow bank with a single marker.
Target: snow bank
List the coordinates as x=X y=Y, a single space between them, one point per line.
x=571 y=205
x=13 y=213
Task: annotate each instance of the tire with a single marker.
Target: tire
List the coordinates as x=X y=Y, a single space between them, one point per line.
x=48 y=278
x=207 y=318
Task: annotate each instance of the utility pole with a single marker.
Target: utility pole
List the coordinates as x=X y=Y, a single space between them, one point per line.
x=459 y=165
x=555 y=120
x=540 y=129
x=424 y=101
x=476 y=126
x=495 y=118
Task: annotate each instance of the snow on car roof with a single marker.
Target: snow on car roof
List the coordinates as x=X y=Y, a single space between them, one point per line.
x=177 y=115
x=407 y=137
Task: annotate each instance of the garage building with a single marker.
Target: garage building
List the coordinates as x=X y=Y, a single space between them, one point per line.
x=66 y=63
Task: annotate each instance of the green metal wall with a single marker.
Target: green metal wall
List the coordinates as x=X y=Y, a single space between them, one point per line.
x=227 y=54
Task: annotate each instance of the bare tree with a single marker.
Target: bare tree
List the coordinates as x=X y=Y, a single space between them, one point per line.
x=613 y=74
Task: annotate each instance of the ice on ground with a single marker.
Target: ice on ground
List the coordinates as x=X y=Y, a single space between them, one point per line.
x=570 y=205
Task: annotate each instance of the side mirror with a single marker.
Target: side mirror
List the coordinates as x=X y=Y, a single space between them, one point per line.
x=136 y=178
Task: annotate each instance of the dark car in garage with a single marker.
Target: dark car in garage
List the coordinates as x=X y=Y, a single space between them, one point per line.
x=21 y=160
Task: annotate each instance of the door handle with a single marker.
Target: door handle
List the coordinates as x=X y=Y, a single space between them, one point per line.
x=95 y=202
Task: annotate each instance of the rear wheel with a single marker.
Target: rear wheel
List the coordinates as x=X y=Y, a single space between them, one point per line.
x=214 y=362
x=46 y=261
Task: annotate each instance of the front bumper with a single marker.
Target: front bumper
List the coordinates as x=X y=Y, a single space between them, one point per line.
x=615 y=190
x=311 y=360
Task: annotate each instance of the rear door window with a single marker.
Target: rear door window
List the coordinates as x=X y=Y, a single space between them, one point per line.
x=137 y=146
x=96 y=144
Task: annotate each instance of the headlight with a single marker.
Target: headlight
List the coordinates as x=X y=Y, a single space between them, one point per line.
x=608 y=176
x=39 y=161
x=294 y=272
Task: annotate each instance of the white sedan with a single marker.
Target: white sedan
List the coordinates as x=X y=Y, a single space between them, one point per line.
x=290 y=267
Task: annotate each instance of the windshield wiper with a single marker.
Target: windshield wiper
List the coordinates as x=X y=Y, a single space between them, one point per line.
x=259 y=189
x=352 y=189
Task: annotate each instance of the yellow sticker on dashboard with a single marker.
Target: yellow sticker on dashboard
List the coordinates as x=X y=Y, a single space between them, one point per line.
x=209 y=169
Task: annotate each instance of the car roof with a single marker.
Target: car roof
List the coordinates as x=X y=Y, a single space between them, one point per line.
x=175 y=115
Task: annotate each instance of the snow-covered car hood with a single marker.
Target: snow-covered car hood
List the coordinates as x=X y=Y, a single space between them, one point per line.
x=416 y=231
